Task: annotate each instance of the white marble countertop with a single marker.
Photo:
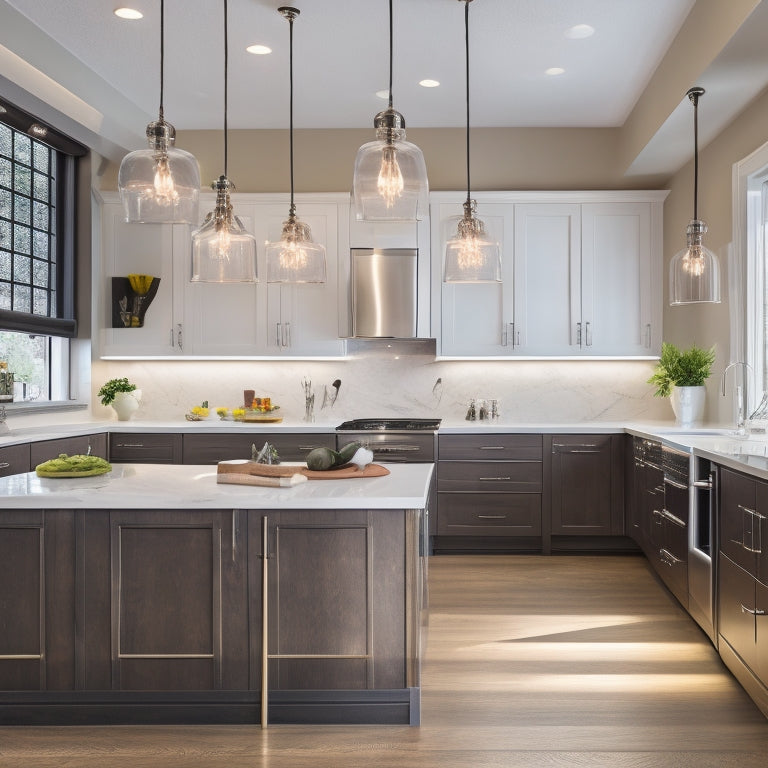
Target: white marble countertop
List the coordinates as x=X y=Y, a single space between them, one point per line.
x=188 y=486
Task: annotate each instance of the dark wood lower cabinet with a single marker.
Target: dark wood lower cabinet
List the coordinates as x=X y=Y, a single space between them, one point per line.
x=155 y=616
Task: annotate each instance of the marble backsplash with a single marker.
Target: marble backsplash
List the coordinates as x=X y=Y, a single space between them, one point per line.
x=391 y=382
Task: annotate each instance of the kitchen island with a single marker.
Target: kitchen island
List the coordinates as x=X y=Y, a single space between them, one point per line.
x=153 y=594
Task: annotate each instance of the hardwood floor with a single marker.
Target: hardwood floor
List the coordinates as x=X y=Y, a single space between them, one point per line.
x=530 y=661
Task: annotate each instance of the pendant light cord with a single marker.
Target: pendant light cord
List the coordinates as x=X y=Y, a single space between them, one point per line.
x=290 y=110
x=466 y=47
x=226 y=63
x=695 y=100
x=390 y=54
x=162 y=54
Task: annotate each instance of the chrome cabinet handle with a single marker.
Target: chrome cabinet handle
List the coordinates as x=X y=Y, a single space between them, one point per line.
x=668 y=558
x=578 y=334
x=755 y=612
x=672 y=518
x=180 y=336
x=129 y=445
x=309 y=447
x=491 y=447
x=703 y=484
x=588 y=333
x=4 y=465
x=494 y=478
x=675 y=484
x=648 y=335
x=491 y=517
x=394 y=448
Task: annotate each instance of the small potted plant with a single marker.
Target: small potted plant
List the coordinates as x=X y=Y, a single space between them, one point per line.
x=681 y=375
x=122 y=395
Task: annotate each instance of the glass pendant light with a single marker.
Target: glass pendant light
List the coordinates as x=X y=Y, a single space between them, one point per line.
x=222 y=250
x=471 y=256
x=160 y=185
x=294 y=258
x=694 y=272
x=390 y=177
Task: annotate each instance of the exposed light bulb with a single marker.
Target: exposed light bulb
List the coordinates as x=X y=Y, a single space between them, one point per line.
x=694 y=262
x=223 y=241
x=470 y=254
x=293 y=256
x=164 y=187
x=390 y=181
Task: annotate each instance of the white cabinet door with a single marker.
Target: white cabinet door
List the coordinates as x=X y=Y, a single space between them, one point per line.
x=617 y=306
x=145 y=249
x=222 y=319
x=303 y=319
x=547 y=256
x=475 y=319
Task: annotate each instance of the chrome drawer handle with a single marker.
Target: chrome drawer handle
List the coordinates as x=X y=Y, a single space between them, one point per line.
x=494 y=478
x=4 y=465
x=130 y=445
x=668 y=558
x=755 y=612
x=394 y=448
x=492 y=447
x=491 y=517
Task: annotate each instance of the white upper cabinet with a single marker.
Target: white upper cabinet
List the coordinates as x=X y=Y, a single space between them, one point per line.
x=476 y=318
x=145 y=249
x=228 y=319
x=581 y=277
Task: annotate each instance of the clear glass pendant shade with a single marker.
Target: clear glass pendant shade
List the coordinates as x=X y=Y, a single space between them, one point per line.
x=390 y=176
x=159 y=185
x=471 y=256
x=694 y=275
x=222 y=250
x=295 y=258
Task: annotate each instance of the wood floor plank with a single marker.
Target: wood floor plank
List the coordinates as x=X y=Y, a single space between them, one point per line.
x=530 y=661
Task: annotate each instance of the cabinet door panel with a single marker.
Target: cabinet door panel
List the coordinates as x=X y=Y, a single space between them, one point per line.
x=492 y=447
x=49 y=449
x=145 y=448
x=14 y=459
x=137 y=249
x=738 y=521
x=616 y=278
x=547 y=278
x=581 y=484
x=475 y=318
x=736 y=599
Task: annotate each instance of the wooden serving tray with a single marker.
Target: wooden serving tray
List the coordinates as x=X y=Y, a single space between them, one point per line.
x=286 y=470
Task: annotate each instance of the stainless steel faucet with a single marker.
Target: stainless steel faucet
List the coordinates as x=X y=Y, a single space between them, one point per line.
x=741 y=393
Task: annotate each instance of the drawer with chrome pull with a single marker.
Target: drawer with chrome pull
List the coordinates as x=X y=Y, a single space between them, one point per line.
x=490 y=447
x=145 y=448
x=487 y=476
x=495 y=514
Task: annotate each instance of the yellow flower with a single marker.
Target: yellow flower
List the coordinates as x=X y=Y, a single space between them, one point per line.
x=199 y=411
x=222 y=411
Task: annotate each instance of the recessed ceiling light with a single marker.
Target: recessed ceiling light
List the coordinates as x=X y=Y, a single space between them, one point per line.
x=429 y=83
x=129 y=13
x=383 y=94
x=580 y=31
x=259 y=50
x=554 y=71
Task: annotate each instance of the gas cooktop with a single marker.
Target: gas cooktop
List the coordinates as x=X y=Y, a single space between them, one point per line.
x=389 y=425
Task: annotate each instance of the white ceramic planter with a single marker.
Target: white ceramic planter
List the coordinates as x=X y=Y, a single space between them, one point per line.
x=126 y=404
x=688 y=405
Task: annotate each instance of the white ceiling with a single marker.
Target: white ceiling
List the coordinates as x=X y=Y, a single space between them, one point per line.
x=341 y=59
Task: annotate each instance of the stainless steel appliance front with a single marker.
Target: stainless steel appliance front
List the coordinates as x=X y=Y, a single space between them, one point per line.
x=384 y=292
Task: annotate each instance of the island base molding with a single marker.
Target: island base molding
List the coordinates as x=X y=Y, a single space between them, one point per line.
x=332 y=707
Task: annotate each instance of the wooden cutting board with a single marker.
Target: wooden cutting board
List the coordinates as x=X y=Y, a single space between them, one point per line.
x=286 y=470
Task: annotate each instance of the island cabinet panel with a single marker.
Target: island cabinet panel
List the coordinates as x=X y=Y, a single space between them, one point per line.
x=585 y=473
x=145 y=448
x=212 y=448
x=14 y=459
x=44 y=450
x=37 y=589
x=176 y=615
x=336 y=614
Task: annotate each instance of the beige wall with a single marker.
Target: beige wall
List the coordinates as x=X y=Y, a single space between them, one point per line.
x=501 y=159
x=709 y=324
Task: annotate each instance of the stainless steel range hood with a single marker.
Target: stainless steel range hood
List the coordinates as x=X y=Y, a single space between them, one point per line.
x=384 y=293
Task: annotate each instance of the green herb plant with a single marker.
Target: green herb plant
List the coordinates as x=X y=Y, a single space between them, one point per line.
x=676 y=368
x=112 y=387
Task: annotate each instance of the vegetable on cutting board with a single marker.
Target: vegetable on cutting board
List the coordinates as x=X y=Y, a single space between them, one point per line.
x=321 y=459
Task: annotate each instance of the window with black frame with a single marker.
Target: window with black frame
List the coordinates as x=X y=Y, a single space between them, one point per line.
x=38 y=208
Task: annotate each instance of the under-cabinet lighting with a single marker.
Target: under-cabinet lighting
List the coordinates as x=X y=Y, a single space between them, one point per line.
x=259 y=50
x=130 y=14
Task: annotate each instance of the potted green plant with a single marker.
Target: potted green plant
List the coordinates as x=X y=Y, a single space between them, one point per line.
x=681 y=375
x=122 y=395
